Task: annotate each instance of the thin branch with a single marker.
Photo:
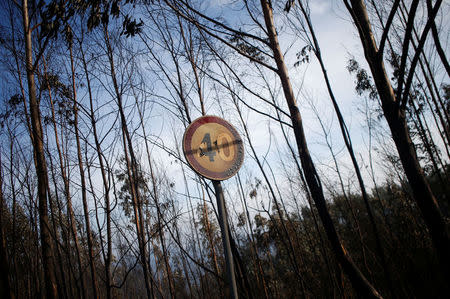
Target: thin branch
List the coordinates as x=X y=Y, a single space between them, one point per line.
x=387 y=27
x=405 y=47
x=215 y=22
x=423 y=38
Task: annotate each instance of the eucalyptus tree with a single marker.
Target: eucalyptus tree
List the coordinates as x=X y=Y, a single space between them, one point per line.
x=261 y=46
x=6 y=291
x=37 y=139
x=131 y=164
x=395 y=101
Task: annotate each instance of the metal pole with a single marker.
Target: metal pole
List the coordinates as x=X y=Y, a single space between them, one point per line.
x=226 y=239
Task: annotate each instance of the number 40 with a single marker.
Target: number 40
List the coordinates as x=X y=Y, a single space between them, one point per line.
x=223 y=146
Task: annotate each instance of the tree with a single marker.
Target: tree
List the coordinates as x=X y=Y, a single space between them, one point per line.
x=39 y=156
x=394 y=103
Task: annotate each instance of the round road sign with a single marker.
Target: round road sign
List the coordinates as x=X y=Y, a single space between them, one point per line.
x=213 y=148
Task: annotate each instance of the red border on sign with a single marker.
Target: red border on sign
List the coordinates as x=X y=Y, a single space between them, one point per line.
x=194 y=163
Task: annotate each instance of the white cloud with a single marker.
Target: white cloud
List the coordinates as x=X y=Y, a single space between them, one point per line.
x=319 y=7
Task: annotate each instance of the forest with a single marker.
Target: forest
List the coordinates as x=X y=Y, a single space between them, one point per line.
x=343 y=107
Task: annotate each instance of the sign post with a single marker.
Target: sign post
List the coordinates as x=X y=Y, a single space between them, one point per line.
x=225 y=238
x=214 y=149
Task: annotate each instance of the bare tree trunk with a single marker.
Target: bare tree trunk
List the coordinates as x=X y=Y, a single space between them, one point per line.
x=437 y=42
x=357 y=227
x=14 y=208
x=357 y=278
x=132 y=173
x=41 y=168
x=289 y=244
x=396 y=118
x=159 y=220
x=259 y=269
x=348 y=144
x=83 y=181
x=62 y=157
x=157 y=205
x=430 y=81
x=56 y=233
x=106 y=187
x=308 y=194
x=5 y=286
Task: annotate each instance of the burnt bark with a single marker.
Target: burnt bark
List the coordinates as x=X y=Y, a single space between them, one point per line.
x=395 y=115
x=359 y=281
x=40 y=164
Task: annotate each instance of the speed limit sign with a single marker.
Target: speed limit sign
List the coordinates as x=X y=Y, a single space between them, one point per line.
x=213 y=148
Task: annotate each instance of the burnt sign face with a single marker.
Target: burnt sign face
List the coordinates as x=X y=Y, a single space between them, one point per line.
x=213 y=148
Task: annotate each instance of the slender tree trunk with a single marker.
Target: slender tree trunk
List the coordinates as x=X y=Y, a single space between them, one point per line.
x=161 y=231
x=427 y=141
x=157 y=204
x=132 y=172
x=64 y=174
x=348 y=144
x=259 y=269
x=396 y=119
x=430 y=83
x=437 y=42
x=289 y=244
x=56 y=233
x=5 y=286
x=41 y=168
x=357 y=278
x=308 y=194
x=83 y=181
x=14 y=209
x=357 y=227
x=106 y=187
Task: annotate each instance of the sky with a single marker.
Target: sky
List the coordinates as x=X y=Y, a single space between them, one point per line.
x=338 y=40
